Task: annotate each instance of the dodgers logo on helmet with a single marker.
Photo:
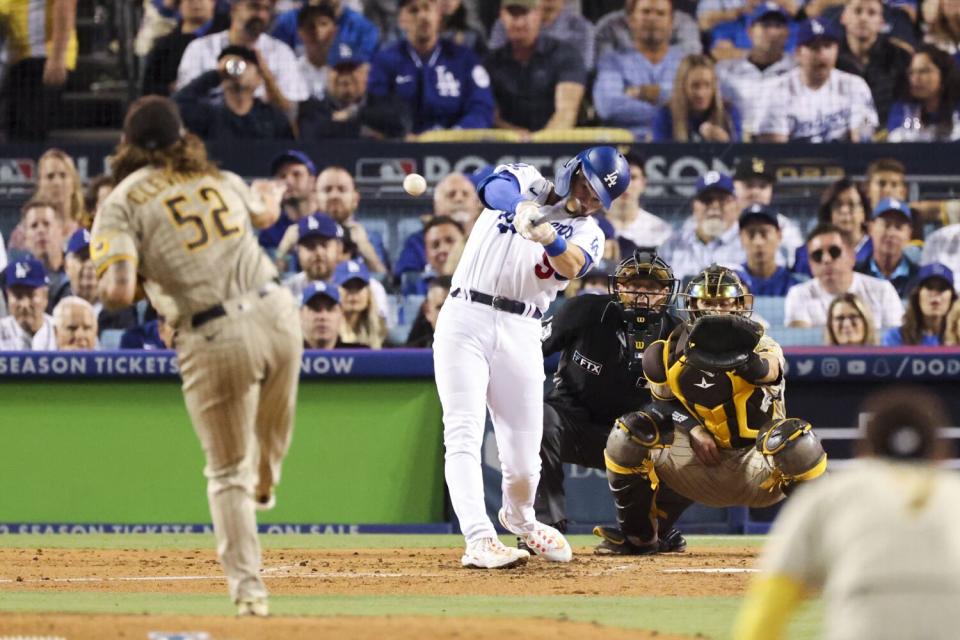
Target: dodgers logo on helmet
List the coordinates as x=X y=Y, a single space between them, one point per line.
x=605 y=169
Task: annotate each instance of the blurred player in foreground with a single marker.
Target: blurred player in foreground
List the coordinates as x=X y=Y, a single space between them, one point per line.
x=487 y=343
x=185 y=228
x=880 y=540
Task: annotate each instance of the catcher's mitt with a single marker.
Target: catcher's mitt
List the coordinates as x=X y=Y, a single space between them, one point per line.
x=722 y=343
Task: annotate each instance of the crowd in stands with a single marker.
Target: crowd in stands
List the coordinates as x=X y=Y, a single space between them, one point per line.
x=714 y=70
x=857 y=273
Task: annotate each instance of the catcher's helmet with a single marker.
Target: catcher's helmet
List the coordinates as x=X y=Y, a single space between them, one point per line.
x=715 y=285
x=644 y=264
x=605 y=169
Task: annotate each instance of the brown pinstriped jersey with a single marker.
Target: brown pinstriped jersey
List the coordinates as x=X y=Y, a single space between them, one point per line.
x=728 y=406
x=190 y=237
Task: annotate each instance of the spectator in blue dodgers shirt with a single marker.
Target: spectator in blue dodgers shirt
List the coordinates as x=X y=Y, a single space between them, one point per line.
x=631 y=221
x=319 y=243
x=711 y=13
x=538 y=81
x=155 y=335
x=816 y=102
x=696 y=111
x=760 y=235
x=753 y=182
x=442 y=85
x=931 y=297
x=732 y=40
x=614 y=31
x=28 y=327
x=299 y=175
x=321 y=317
x=557 y=21
x=236 y=113
x=197 y=19
x=890 y=228
x=930 y=109
x=743 y=80
x=75 y=325
x=317 y=28
x=352 y=28
x=364 y=320
x=632 y=86
x=43 y=238
x=345 y=111
x=832 y=259
x=877 y=58
x=709 y=235
x=249 y=20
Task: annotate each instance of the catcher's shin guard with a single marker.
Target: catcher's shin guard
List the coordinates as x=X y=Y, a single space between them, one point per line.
x=794 y=451
x=631 y=447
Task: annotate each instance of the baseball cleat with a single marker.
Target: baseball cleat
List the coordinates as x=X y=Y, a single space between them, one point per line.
x=490 y=553
x=256 y=607
x=544 y=540
x=673 y=542
x=616 y=544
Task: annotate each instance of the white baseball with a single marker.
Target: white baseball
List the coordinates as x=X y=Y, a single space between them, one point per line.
x=415 y=184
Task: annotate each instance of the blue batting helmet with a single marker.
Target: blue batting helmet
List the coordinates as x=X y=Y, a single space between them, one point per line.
x=605 y=169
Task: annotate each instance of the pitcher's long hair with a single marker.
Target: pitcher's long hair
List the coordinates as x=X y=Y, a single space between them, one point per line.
x=187 y=156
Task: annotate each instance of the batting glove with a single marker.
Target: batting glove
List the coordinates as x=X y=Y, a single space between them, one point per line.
x=524 y=222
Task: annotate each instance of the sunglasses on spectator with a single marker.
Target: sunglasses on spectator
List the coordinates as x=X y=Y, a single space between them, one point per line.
x=835 y=252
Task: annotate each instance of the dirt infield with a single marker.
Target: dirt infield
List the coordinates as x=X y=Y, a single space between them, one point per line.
x=360 y=572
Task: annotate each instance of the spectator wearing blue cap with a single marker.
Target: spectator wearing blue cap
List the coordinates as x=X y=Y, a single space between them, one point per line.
x=931 y=297
x=299 y=176
x=696 y=111
x=44 y=239
x=82 y=275
x=709 y=235
x=455 y=196
x=319 y=245
x=352 y=28
x=321 y=318
x=345 y=112
x=816 y=102
x=236 y=113
x=866 y=51
x=743 y=80
x=363 y=322
x=890 y=228
x=733 y=39
x=760 y=235
x=28 y=327
x=631 y=86
x=442 y=84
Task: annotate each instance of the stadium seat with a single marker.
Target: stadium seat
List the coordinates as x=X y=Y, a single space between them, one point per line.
x=469 y=135
x=770 y=308
x=110 y=339
x=584 y=135
x=796 y=336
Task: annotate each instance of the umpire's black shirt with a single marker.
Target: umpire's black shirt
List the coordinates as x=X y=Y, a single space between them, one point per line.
x=592 y=374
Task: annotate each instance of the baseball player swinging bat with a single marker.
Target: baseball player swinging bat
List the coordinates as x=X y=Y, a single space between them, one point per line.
x=569 y=208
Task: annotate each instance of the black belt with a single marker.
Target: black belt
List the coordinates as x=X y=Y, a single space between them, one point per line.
x=497 y=302
x=218 y=310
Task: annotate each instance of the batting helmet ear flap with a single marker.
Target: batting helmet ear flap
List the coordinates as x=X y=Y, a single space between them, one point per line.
x=605 y=169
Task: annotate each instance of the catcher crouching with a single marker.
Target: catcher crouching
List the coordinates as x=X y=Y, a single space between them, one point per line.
x=715 y=431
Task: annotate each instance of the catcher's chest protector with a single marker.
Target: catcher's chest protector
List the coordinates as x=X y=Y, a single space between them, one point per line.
x=728 y=406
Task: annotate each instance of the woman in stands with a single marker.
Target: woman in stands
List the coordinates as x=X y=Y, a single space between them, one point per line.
x=696 y=112
x=849 y=322
x=930 y=300
x=362 y=322
x=929 y=110
x=844 y=204
x=58 y=181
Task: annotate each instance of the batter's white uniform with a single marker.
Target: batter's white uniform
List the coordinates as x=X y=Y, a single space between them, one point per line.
x=882 y=540
x=487 y=358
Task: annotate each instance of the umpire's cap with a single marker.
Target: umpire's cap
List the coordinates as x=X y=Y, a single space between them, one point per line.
x=904 y=423
x=153 y=123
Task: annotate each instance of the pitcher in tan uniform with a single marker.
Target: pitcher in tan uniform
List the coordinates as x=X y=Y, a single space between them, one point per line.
x=185 y=230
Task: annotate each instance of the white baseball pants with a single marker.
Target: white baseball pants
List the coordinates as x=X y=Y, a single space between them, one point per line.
x=489 y=359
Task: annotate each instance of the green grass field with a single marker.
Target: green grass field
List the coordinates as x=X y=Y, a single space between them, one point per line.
x=709 y=617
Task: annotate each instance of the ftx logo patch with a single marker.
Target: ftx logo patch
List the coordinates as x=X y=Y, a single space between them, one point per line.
x=589 y=365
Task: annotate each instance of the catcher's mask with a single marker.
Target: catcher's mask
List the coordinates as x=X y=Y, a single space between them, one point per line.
x=642 y=287
x=716 y=291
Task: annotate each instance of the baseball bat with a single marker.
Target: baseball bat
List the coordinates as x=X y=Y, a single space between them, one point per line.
x=571 y=208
